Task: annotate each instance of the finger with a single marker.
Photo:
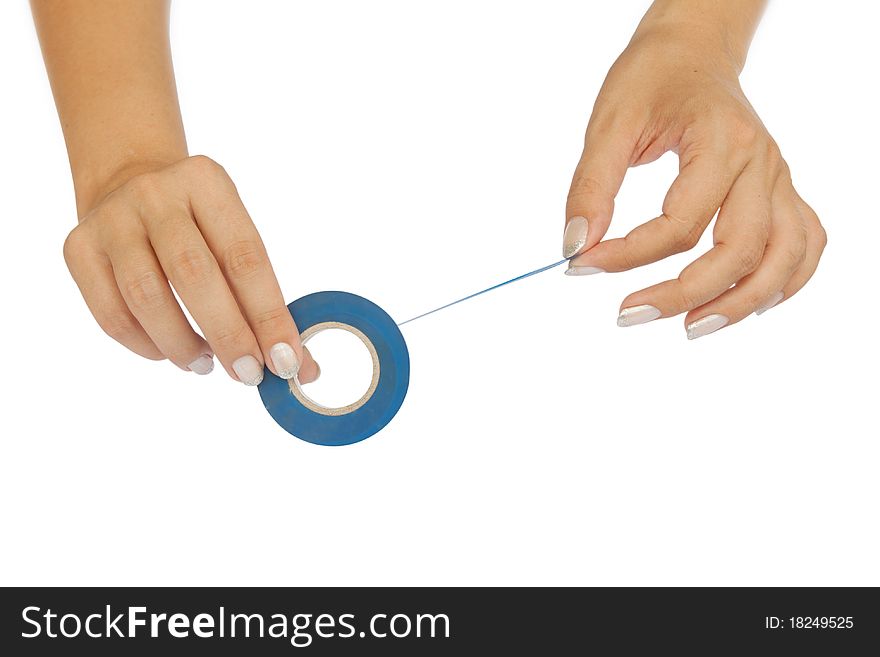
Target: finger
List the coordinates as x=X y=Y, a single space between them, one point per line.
x=762 y=289
x=740 y=237
x=94 y=276
x=310 y=371
x=232 y=237
x=149 y=297
x=608 y=148
x=696 y=194
x=192 y=270
x=817 y=239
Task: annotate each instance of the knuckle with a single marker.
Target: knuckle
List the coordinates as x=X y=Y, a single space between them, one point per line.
x=147 y=186
x=742 y=129
x=685 y=236
x=244 y=258
x=584 y=185
x=755 y=299
x=821 y=235
x=118 y=326
x=610 y=115
x=748 y=258
x=627 y=254
x=146 y=291
x=149 y=194
x=177 y=354
x=231 y=338
x=784 y=172
x=273 y=320
x=794 y=256
x=797 y=249
x=686 y=298
x=689 y=240
x=628 y=259
x=73 y=246
x=204 y=166
x=192 y=266
x=606 y=105
x=773 y=154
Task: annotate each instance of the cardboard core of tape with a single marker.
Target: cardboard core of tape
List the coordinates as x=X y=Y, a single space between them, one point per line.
x=311 y=404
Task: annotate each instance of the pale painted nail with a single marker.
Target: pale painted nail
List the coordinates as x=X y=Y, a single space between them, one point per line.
x=202 y=365
x=284 y=359
x=575 y=236
x=248 y=370
x=638 y=315
x=705 y=326
x=772 y=301
x=574 y=270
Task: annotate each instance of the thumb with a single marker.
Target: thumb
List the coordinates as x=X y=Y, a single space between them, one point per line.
x=309 y=371
x=597 y=179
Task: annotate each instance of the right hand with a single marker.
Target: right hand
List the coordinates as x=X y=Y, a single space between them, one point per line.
x=185 y=224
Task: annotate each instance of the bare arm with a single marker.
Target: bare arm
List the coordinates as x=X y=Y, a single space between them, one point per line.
x=151 y=218
x=109 y=63
x=722 y=26
x=676 y=88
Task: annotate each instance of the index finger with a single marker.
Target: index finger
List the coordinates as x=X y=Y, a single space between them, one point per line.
x=232 y=236
x=608 y=146
x=691 y=203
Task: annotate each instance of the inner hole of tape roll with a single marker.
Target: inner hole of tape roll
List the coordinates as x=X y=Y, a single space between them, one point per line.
x=349 y=369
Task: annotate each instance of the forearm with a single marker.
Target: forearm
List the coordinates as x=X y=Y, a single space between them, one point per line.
x=109 y=64
x=725 y=26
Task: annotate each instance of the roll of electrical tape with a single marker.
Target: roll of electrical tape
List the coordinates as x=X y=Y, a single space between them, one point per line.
x=291 y=408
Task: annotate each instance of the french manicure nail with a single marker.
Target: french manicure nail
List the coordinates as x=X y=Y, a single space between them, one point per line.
x=705 y=326
x=284 y=359
x=772 y=301
x=575 y=270
x=202 y=365
x=575 y=236
x=248 y=370
x=638 y=315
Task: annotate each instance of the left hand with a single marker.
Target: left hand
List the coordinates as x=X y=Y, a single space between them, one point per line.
x=667 y=92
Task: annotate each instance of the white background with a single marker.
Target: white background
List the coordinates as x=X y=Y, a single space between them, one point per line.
x=413 y=153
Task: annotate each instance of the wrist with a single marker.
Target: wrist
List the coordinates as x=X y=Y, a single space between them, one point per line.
x=706 y=32
x=675 y=47
x=94 y=185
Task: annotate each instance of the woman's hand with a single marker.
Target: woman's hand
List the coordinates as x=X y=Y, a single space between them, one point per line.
x=150 y=215
x=675 y=88
x=186 y=224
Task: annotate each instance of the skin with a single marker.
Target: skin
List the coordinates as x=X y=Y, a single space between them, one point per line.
x=676 y=88
x=152 y=218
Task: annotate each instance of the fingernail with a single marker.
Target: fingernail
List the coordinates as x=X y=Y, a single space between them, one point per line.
x=575 y=236
x=202 y=365
x=248 y=370
x=284 y=359
x=583 y=271
x=772 y=301
x=638 y=315
x=705 y=326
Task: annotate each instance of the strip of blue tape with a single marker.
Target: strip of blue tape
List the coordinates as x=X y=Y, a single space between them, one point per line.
x=386 y=400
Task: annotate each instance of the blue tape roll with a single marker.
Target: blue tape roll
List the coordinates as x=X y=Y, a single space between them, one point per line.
x=388 y=347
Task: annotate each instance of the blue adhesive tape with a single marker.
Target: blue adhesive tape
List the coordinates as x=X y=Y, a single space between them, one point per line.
x=306 y=420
